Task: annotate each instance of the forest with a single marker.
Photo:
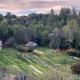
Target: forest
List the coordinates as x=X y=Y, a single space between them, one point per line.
x=57 y=37
x=59 y=31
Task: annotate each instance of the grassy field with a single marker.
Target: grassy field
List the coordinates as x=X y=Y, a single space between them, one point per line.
x=43 y=66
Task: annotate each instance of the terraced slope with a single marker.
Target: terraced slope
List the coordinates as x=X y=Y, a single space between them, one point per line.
x=32 y=64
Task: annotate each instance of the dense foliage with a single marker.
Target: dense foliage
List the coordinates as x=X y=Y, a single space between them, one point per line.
x=59 y=31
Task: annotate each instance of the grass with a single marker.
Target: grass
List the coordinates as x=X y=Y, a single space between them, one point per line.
x=37 y=65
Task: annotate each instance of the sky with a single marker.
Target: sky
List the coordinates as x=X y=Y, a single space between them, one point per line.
x=24 y=7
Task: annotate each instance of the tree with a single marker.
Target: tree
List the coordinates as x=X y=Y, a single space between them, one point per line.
x=20 y=34
x=1 y=17
x=71 y=31
x=50 y=18
x=10 y=42
x=10 y=18
x=38 y=33
x=74 y=13
x=5 y=31
x=55 y=39
x=65 y=14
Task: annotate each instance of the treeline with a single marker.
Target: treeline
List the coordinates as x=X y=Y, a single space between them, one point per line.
x=59 y=31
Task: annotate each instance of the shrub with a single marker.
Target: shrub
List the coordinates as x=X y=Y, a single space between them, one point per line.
x=10 y=43
x=21 y=77
x=58 y=75
x=3 y=72
x=22 y=48
x=73 y=52
x=76 y=68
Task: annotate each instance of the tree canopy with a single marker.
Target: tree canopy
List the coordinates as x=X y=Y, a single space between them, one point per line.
x=55 y=30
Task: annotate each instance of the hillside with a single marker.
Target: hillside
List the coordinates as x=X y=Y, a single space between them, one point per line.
x=34 y=65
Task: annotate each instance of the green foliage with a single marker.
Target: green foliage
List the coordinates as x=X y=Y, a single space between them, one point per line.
x=37 y=28
x=20 y=34
x=22 y=48
x=65 y=15
x=59 y=75
x=1 y=17
x=72 y=33
x=5 y=31
x=10 y=43
x=55 y=39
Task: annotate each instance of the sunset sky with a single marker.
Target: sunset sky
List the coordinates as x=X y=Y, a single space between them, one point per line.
x=24 y=7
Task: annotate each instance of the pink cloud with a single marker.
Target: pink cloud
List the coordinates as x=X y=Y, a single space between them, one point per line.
x=26 y=6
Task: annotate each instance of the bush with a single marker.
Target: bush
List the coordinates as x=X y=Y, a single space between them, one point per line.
x=76 y=68
x=3 y=72
x=73 y=52
x=21 y=77
x=58 y=75
x=22 y=48
x=10 y=43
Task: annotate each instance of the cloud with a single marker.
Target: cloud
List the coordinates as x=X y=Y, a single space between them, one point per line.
x=24 y=7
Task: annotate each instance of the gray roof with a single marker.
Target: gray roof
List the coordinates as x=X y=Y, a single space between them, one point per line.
x=31 y=44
